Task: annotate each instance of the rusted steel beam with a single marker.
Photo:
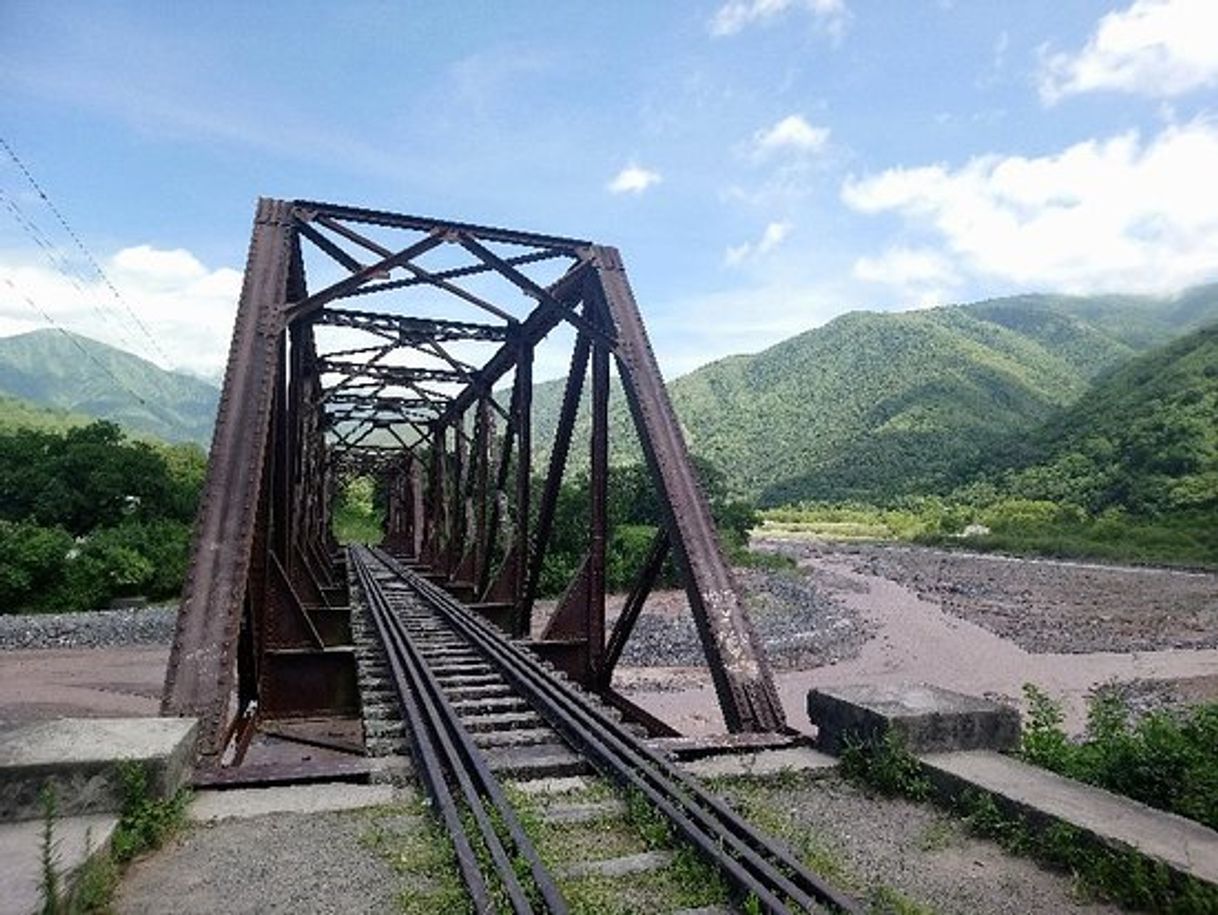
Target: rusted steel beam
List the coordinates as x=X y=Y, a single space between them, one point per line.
x=567 y=290
x=411 y=329
x=737 y=661
x=201 y=676
x=644 y=581
x=455 y=273
x=559 y=450
x=315 y=302
x=308 y=209
x=390 y=374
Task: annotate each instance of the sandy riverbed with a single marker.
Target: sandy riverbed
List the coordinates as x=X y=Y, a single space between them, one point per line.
x=1066 y=627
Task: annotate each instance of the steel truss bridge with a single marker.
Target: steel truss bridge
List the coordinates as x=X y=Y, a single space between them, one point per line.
x=404 y=348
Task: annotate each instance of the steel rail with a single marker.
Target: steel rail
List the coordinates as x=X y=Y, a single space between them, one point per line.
x=754 y=865
x=433 y=723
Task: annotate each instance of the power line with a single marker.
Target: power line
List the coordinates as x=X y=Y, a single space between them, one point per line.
x=81 y=245
x=72 y=337
x=62 y=264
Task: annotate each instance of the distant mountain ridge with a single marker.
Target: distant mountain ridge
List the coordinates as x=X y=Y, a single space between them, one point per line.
x=876 y=404
x=49 y=369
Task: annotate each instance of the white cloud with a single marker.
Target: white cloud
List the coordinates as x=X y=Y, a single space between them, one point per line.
x=1156 y=48
x=1104 y=214
x=792 y=134
x=735 y=15
x=187 y=308
x=922 y=276
x=774 y=235
x=741 y=320
x=633 y=179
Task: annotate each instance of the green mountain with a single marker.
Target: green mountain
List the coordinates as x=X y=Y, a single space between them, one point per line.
x=872 y=405
x=68 y=372
x=1144 y=438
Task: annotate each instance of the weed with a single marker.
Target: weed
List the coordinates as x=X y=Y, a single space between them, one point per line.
x=940 y=834
x=1125 y=877
x=146 y=821
x=884 y=900
x=887 y=766
x=50 y=885
x=1165 y=760
x=650 y=824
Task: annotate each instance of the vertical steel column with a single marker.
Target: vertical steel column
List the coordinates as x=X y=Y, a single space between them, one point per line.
x=734 y=654
x=523 y=420
x=201 y=676
x=594 y=608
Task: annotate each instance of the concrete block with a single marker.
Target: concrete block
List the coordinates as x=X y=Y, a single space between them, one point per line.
x=929 y=718
x=79 y=758
x=1182 y=845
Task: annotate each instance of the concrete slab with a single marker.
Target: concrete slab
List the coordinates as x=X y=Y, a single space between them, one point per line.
x=76 y=840
x=542 y=786
x=929 y=718
x=545 y=760
x=79 y=756
x=642 y=863
x=762 y=762
x=241 y=803
x=1182 y=845
x=588 y=812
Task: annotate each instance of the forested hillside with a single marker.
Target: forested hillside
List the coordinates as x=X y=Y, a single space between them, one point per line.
x=873 y=406
x=21 y=414
x=1144 y=439
x=83 y=376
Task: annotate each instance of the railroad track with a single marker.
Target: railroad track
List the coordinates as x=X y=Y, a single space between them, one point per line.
x=477 y=708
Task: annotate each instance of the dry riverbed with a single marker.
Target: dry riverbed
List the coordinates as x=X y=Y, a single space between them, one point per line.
x=978 y=624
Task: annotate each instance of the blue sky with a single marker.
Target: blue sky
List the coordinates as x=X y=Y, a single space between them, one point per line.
x=764 y=165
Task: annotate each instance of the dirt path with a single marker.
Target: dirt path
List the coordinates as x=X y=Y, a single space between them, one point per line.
x=916 y=640
x=81 y=682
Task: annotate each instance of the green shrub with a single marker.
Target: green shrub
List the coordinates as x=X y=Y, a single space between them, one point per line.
x=1165 y=759
x=33 y=565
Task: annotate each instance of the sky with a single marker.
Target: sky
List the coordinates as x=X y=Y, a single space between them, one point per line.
x=763 y=165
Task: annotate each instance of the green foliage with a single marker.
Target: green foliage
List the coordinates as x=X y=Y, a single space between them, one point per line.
x=87 y=515
x=1165 y=759
x=50 y=884
x=887 y=766
x=1105 y=872
x=357 y=517
x=634 y=514
x=145 y=821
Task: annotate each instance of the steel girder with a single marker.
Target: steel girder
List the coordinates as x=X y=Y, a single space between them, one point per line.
x=263 y=618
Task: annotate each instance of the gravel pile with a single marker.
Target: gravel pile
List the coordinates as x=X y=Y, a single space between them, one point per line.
x=90 y=629
x=800 y=623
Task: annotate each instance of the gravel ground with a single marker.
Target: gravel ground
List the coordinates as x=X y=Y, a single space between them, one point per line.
x=91 y=629
x=294 y=863
x=796 y=615
x=916 y=850
x=1045 y=605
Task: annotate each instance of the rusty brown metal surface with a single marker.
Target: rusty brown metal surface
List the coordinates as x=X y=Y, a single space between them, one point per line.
x=202 y=663
x=264 y=626
x=736 y=659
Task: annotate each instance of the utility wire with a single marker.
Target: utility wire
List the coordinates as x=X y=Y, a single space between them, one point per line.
x=72 y=337
x=61 y=264
x=81 y=245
